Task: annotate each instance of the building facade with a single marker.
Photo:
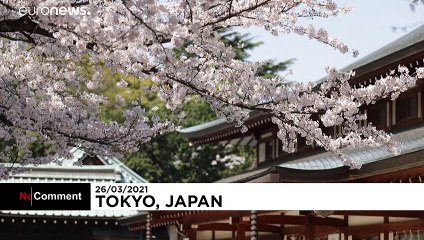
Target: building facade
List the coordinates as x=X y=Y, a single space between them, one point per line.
x=70 y=225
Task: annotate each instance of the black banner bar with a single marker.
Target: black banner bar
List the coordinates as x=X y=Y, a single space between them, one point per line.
x=45 y=196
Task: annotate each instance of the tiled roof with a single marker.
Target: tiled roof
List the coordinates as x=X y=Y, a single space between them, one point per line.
x=210 y=127
x=410 y=141
x=402 y=46
x=57 y=174
x=126 y=174
x=68 y=171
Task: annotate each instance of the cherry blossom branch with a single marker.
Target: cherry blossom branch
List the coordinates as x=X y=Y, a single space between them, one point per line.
x=43 y=92
x=231 y=15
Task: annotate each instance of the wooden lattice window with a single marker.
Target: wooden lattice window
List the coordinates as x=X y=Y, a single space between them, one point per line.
x=407 y=107
x=377 y=115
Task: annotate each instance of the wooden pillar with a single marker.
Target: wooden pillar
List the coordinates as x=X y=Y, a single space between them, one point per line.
x=345 y=236
x=419 y=113
x=309 y=228
x=386 y=233
x=422 y=102
x=253 y=225
x=192 y=235
x=241 y=232
x=282 y=232
x=257 y=137
x=148 y=227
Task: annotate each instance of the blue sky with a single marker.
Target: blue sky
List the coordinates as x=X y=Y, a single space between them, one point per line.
x=367 y=28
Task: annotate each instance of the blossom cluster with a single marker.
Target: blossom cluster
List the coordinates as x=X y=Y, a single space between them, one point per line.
x=43 y=96
x=229 y=161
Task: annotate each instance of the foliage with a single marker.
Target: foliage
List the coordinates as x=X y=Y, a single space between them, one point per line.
x=169 y=157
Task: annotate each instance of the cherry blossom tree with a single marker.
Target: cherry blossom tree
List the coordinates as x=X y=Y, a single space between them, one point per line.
x=43 y=96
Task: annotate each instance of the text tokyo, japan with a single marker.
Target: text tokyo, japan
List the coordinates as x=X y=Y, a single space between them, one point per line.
x=149 y=201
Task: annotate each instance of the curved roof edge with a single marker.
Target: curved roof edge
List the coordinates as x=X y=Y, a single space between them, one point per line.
x=212 y=126
x=71 y=164
x=414 y=37
x=127 y=174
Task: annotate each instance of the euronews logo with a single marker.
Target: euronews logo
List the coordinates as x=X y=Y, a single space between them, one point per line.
x=32 y=11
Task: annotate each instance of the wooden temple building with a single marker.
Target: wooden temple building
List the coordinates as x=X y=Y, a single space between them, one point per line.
x=70 y=225
x=403 y=117
x=282 y=225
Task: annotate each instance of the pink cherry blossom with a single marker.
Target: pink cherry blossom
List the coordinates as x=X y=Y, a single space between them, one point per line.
x=45 y=98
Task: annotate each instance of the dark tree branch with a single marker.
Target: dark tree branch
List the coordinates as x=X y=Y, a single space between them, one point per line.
x=30 y=39
x=14 y=38
x=23 y=24
x=80 y=3
x=234 y=14
x=7 y=6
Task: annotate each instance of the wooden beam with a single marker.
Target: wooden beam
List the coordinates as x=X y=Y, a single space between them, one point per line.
x=268 y=228
x=378 y=228
x=329 y=221
x=172 y=215
x=188 y=218
x=212 y=216
x=391 y=213
x=411 y=214
x=320 y=231
x=217 y=227
x=192 y=235
x=230 y=227
x=235 y=220
x=241 y=230
x=300 y=220
x=309 y=227
x=306 y=212
x=386 y=233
